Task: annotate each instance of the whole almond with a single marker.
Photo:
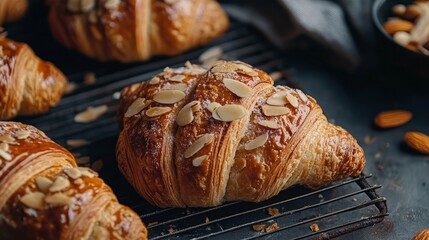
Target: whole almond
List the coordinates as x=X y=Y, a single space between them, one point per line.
x=418 y=141
x=396 y=25
x=412 y=12
x=422 y=235
x=393 y=118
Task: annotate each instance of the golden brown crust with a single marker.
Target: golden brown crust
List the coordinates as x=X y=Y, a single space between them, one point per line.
x=28 y=85
x=12 y=10
x=153 y=134
x=268 y=139
x=134 y=30
x=79 y=206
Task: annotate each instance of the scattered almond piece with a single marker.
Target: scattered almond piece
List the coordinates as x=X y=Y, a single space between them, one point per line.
x=393 y=118
x=90 y=114
x=171 y=230
x=77 y=142
x=418 y=141
x=152 y=224
x=83 y=160
x=207 y=220
x=97 y=165
x=314 y=227
x=276 y=76
x=70 y=87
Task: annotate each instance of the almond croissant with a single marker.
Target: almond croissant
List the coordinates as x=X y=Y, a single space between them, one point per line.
x=28 y=85
x=12 y=10
x=197 y=138
x=133 y=30
x=44 y=195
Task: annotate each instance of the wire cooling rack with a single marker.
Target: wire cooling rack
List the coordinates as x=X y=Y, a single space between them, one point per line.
x=337 y=209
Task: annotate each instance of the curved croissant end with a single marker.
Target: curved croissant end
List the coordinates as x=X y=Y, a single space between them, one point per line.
x=44 y=195
x=28 y=85
x=227 y=134
x=131 y=30
x=12 y=10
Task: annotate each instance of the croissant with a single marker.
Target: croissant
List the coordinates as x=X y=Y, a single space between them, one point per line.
x=44 y=195
x=28 y=85
x=12 y=10
x=133 y=30
x=198 y=138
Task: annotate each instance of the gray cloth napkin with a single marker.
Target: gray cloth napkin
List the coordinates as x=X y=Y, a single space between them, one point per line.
x=341 y=29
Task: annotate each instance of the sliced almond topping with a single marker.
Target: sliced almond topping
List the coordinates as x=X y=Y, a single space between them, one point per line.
x=87 y=172
x=157 y=111
x=269 y=124
x=278 y=99
x=274 y=110
x=212 y=106
x=249 y=71
x=154 y=81
x=87 y=5
x=22 y=134
x=33 y=200
x=224 y=67
x=185 y=116
x=231 y=112
x=196 y=107
x=238 y=88
x=257 y=142
x=73 y=5
x=59 y=199
x=78 y=181
x=73 y=173
x=180 y=86
x=4 y=147
x=6 y=156
x=188 y=64
x=90 y=114
x=77 y=142
x=198 y=144
x=292 y=100
x=112 y=4
x=198 y=160
x=138 y=105
x=177 y=78
x=169 y=96
x=60 y=184
x=216 y=116
x=302 y=95
x=7 y=138
x=275 y=76
x=44 y=184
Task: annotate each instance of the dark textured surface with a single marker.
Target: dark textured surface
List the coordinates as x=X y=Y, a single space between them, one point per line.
x=350 y=101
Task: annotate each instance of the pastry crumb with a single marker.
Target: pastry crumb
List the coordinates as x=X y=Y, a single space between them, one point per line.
x=272 y=227
x=273 y=211
x=152 y=224
x=207 y=220
x=171 y=230
x=314 y=227
x=258 y=227
x=354 y=199
x=89 y=78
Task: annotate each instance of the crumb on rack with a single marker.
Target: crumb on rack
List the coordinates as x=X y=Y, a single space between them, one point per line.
x=354 y=199
x=314 y=227
x=272 y=227
x=273 y=211
x=77 y=142
x=97 y=165
x=171 y=230
x=258 y=227
x=90 y=114
x=368 y=140
x=207 y=220
x=89 y=78
x=152 y=224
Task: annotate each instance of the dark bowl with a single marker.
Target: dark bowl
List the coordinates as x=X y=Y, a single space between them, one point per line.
x=392 y=54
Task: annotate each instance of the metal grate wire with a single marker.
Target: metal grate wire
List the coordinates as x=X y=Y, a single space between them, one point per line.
x=340 y=208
